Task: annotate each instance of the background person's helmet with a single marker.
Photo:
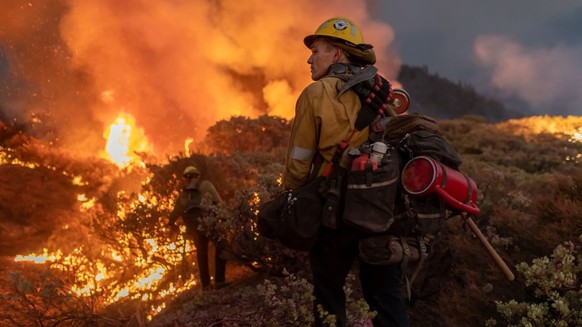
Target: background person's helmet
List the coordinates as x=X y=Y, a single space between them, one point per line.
x=344 y=34
x=190 y=170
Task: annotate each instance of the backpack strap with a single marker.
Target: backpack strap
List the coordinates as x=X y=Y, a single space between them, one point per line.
x=358 y=76
x=335 y=178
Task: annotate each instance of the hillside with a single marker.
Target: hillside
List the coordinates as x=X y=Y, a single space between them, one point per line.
x=108 y=260
x=95 y=251
x=441 y=98
x=527 y=171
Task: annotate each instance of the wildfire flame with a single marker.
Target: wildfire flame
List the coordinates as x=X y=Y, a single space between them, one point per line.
x=569 y=127
x=124 y=141
x=106 y=275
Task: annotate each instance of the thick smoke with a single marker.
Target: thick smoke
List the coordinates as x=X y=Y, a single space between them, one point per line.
x=176 y=66
x=547 y=79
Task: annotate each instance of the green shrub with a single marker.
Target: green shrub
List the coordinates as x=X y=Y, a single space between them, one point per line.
x=555 y=287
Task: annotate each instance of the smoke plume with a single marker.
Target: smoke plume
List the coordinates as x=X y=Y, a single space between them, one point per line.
x=70 y=67
x=547 y=79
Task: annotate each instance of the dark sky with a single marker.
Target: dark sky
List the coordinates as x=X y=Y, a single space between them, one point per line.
x=525 y=49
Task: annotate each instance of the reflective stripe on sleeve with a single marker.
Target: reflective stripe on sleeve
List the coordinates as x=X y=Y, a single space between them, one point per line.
x=301 y=153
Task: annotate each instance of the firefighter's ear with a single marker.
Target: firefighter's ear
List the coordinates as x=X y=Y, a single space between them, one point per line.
x=338 y=55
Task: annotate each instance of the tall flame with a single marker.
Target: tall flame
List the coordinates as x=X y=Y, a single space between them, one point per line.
x=124 y=141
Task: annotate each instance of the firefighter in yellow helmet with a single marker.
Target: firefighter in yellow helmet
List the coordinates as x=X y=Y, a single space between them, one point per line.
x=322 y=120
x=189 y=207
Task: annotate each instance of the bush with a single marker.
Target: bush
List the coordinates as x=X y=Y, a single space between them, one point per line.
x=555 y=288
x=291 y=301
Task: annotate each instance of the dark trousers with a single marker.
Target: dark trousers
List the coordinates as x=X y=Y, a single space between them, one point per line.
x=331 y=261
x=201 y=243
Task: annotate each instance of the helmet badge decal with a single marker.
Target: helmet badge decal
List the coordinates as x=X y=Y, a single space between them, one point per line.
x=340 y=25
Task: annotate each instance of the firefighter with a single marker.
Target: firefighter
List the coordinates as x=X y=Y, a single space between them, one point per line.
x=322 y=120
x=189 y=207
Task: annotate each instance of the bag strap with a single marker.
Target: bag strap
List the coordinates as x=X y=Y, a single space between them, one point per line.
x=333 y=196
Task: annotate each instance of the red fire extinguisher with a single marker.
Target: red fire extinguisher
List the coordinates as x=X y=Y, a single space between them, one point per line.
x=424 y=176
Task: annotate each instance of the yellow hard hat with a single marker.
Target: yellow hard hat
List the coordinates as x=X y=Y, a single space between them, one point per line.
x=339 y=28
x=191 y=170
x=344 y=34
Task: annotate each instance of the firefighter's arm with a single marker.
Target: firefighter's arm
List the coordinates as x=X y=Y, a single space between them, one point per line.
x=303 y=142
x=176 y=212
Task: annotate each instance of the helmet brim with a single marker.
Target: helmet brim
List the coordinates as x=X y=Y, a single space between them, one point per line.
x=309 y=39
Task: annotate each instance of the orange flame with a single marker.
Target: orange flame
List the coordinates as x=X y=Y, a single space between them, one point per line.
x=124 y=140
x=570 y=127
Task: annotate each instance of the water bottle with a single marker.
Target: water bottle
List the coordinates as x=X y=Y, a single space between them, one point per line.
x=378 y=151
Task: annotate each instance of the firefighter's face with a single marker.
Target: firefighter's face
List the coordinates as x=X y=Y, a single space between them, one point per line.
x=189 y=177
x=323 y=54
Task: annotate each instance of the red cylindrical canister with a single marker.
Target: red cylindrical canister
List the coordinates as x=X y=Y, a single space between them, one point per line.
x=423 y=176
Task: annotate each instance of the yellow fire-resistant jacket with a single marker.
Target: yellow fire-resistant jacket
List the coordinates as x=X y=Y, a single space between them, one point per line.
x=321 y=122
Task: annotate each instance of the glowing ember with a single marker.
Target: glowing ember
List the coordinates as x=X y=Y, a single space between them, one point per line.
x=7 y=158
x=78 y=180
x=86 y=203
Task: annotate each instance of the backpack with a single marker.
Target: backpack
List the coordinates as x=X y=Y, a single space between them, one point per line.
x=400 y=223
x=193 y=206
x=374 y=182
